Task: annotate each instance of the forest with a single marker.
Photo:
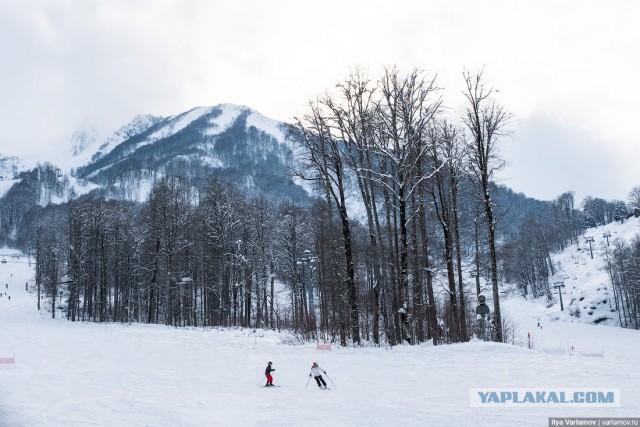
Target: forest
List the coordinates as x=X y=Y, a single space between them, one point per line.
x=409 y=228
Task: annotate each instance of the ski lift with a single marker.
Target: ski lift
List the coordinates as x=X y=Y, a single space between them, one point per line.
x=59 y=173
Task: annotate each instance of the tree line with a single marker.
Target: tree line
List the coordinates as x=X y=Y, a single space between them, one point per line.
x=409 y=231
x=623 y=265
x=410 y=164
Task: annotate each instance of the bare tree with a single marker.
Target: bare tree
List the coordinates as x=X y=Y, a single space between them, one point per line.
x=292 y=238
x=351 y=115
x=446 y=153
x=485 y=121
x=406 y=110
x=323 y=151
x=219 y=209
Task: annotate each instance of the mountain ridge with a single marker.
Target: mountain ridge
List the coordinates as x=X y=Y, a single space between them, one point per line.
x=230 y=141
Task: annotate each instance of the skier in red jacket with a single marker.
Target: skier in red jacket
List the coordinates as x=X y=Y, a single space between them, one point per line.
x=267 y=373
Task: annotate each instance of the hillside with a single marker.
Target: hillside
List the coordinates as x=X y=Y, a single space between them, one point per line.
x=231 y=142
x=227 y=140
x=587 y=295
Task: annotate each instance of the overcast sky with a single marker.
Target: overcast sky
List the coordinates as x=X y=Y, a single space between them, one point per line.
x=566 y=70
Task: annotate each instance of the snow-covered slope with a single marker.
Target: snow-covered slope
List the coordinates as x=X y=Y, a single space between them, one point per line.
x=78 y=374
x=74 y=189
x=136 y=126
x=148 y=130
x=9 y=169
x=588 y=295
x=5 y=185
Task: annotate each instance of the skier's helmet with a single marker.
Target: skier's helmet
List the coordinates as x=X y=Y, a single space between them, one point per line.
x=269 y=363
x=315 y=363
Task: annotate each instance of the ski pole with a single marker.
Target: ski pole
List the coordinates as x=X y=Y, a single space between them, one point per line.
x=308 y=379
x=330 y=379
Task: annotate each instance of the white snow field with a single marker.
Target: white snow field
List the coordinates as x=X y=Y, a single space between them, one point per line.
x=86 y=374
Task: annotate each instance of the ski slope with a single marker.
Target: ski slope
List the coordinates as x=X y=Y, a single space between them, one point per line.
x=85 y=374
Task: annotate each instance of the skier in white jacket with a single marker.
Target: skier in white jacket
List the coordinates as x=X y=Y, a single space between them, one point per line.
x=315 y=372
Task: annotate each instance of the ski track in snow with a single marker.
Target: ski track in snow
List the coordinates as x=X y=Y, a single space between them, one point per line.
x=87 y=374
x=229 y=113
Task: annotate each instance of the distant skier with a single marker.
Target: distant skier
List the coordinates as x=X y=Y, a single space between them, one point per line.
x=315 y=372
x=267 y=373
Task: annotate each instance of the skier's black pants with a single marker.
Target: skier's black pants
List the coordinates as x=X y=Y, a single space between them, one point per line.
x=320 y=381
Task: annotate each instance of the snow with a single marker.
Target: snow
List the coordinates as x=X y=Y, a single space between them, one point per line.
x=138 y=192
x=88 y=145
x=83 y=144
x=136 y=126
x=76 y=188
x=76 y=151
x=227 y=117
x=229 y=114
x=82 y=186
x=212 y=161
x=586 y=280
x=305 y=184
x=588 y=288
x=178 y=123
x=265 y=124
x=77 y=374
x=139 y=124
x=6 y=184
x=10 y=167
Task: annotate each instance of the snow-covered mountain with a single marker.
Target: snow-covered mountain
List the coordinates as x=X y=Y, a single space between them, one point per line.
x=229 y=141
x=226 y=141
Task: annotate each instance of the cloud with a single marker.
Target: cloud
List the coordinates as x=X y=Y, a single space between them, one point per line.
x=547 y=158
x=71 y=64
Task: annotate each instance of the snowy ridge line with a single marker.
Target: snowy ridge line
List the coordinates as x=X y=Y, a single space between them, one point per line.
x=177 y=123
x=136 y=126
